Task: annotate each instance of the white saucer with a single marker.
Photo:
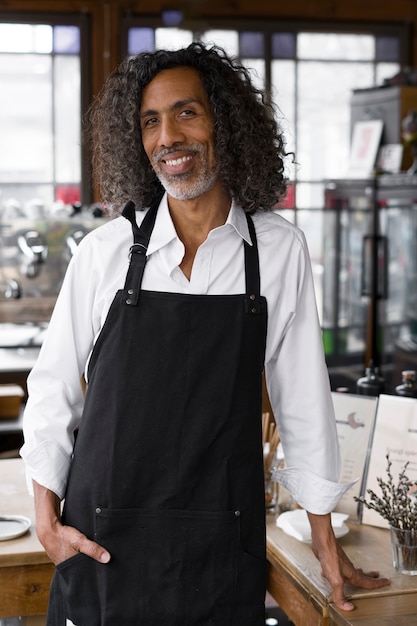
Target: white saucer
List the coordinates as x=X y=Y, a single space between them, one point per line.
x=296 y=524
x=12 y=526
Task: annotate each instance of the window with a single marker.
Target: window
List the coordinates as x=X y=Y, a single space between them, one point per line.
x=41 y=153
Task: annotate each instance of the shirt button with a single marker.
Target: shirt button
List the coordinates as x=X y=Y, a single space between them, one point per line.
x=252 y=296
x=98 y=509
x=237 y=513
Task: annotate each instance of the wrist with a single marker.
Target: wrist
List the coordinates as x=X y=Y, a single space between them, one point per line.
x=47 y=509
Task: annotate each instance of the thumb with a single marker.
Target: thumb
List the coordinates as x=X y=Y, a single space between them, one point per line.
x=340 y=600
x=93 y=550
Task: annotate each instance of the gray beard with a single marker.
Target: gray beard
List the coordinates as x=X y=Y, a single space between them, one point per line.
x=178 y=187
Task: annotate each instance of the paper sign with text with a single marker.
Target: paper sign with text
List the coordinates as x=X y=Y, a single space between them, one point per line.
x=355 y=415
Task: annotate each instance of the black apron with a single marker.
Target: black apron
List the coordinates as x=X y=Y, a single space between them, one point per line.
x=167 y=472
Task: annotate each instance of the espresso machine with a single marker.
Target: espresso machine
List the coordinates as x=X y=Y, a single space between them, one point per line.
x=36 y=245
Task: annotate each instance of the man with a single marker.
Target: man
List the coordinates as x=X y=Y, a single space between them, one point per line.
x=164 y=505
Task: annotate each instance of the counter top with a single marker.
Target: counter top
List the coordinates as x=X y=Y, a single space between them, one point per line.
x=18 y=359
x=296 y=583
x=15 y=500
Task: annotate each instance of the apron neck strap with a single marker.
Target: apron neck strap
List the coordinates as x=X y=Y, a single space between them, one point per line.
x=141 y=237
x=254 y=302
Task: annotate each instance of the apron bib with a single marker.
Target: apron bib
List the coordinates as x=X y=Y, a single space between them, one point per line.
x=167 y=471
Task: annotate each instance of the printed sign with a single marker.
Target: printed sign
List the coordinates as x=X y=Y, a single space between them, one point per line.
x=355 y=416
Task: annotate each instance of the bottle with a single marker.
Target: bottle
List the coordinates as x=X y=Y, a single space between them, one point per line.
x=408 y=387
x=372 y=384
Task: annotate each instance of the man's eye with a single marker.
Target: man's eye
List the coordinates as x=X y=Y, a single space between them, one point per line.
x=187 y=113
x=149 y=122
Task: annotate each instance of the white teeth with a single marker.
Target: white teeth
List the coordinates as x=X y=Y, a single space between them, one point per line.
x=178 y=161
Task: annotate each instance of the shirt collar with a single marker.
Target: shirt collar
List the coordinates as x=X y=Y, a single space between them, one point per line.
x=164 y=231
x=237 y=219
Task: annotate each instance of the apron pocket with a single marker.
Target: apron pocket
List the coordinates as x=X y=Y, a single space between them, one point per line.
x=76 y=578
x=170 y=567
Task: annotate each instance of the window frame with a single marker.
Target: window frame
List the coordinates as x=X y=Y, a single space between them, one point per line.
x=83 y=22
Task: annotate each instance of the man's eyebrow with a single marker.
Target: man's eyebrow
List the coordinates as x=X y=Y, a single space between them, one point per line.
x=175 y=105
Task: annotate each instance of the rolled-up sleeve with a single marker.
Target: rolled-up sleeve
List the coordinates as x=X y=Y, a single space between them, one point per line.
x=298 y=386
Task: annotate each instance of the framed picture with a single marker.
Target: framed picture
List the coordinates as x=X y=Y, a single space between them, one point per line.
x=366 y=138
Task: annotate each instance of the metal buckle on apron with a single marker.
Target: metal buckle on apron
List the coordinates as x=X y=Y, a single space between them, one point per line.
x=137 y=248
x=135 y=273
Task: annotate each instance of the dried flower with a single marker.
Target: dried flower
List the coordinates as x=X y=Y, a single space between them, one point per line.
x=398 y=504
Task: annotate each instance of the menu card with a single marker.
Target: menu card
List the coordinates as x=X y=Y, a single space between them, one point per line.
x=355 y=416
x=395 y=433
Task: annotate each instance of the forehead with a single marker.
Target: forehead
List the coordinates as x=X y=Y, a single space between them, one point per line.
x=173 y=85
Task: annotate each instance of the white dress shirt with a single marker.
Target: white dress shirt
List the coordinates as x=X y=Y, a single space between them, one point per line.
x=296 y=373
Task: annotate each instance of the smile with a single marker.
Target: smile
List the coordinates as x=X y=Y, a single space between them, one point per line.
x=178 y=161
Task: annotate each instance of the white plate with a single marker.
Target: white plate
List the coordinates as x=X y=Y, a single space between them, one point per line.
x=296 y=524
x=12 y=526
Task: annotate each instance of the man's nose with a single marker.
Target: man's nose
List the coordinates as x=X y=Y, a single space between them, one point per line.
x=170 y=132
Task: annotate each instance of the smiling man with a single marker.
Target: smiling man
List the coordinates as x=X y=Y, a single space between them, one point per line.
x=172 y=310
x=188 y=168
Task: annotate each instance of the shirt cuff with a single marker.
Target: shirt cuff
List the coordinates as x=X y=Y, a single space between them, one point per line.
x=49 y=465
x=312 y=492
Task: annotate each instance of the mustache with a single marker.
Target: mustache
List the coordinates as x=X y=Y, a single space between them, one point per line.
x=195 y=149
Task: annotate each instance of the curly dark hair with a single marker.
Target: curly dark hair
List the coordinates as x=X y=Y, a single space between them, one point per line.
x=248 y=140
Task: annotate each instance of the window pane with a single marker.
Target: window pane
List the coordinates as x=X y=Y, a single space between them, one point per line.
x=226 y=39
x=384 y=71
x=251 y=45
x=25 y=38
x=256 y=69
x=66 y=39
x=283 y=46
x=283 y=94
x=336 y=46
x=172 y=38
x=67 y=119
x=171 y=17
x=387 y=49
x=140 y=40
x=323 y=122
x=26 y=121
x=310 y=195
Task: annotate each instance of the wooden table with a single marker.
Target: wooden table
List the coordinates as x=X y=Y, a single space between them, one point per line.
x=25 y=569
x=296 y=583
